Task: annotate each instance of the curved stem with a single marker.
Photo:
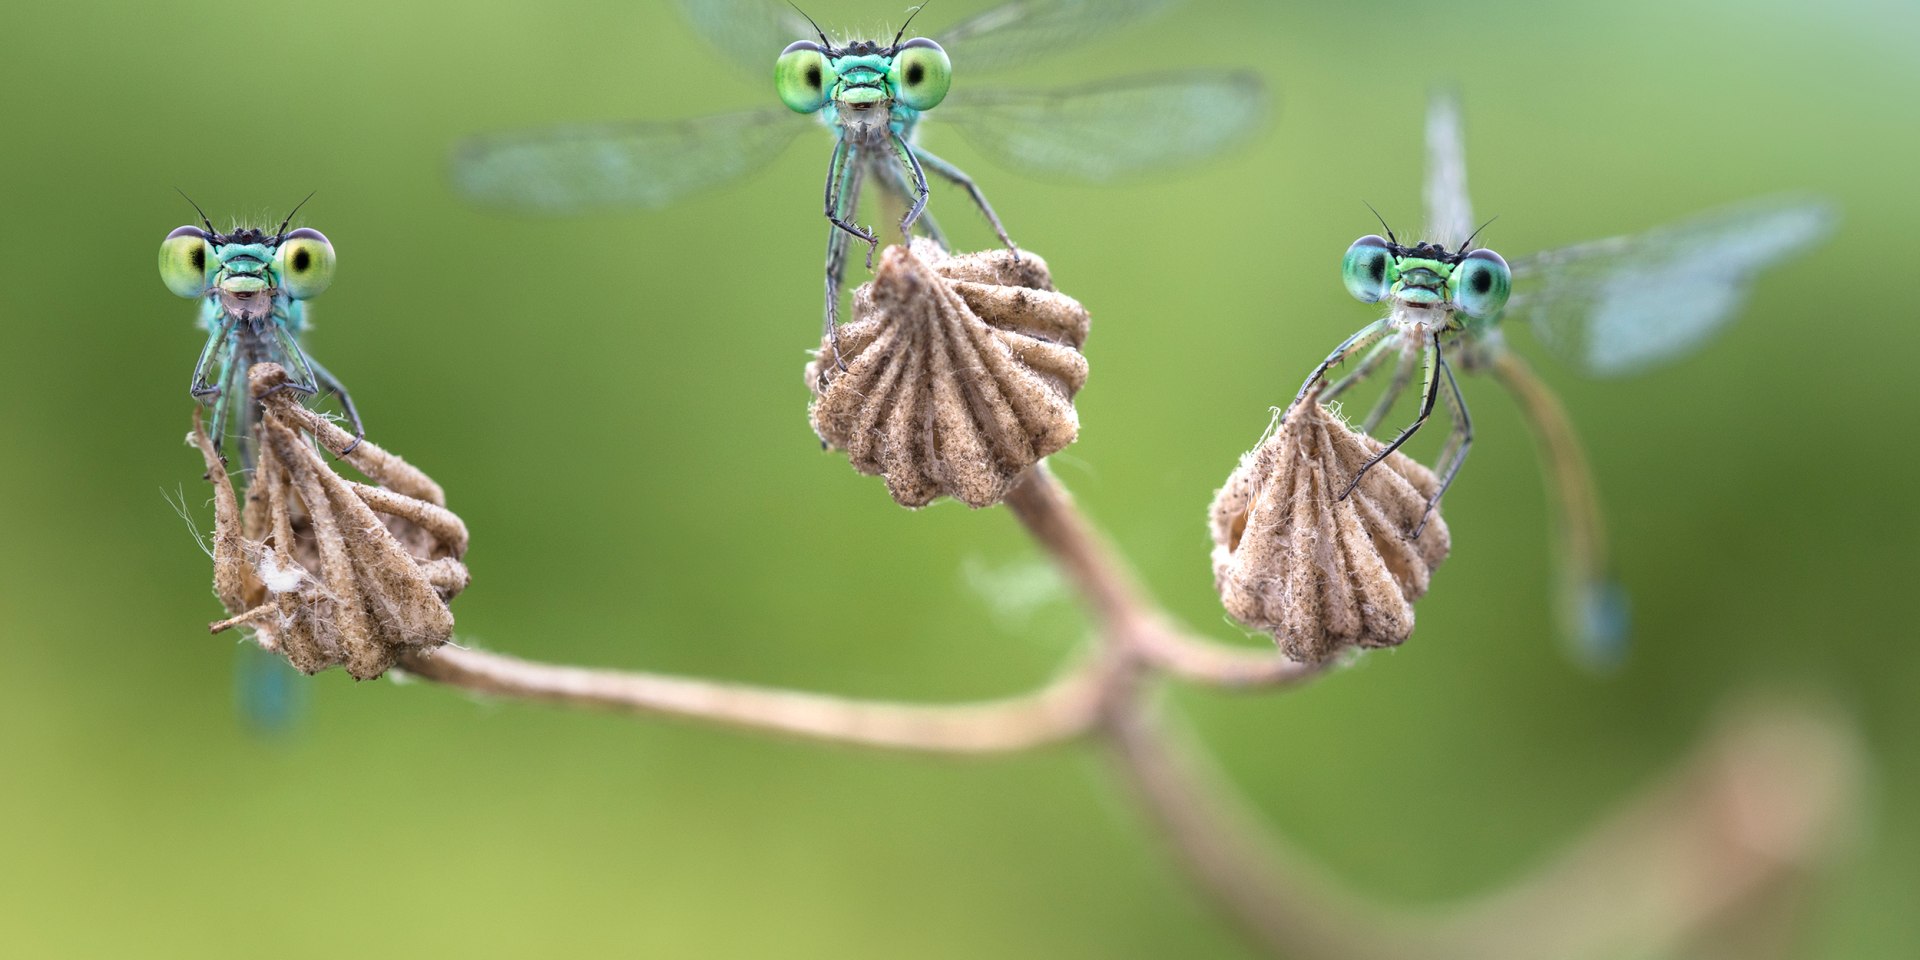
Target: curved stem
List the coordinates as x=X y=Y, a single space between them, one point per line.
x=1685 y=863
x=1117 y=601
x=1675 y=868
x=1114 y=597
x=1274 y=901
x=1697 y=861
x=1681 y=865
x=1734 y=827
x=1062 y=710
x=1199 y=660
x=1690 y=860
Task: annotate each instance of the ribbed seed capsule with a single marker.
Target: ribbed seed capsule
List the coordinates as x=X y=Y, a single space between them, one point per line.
x=960 y=374
x=1317 y=573
x=323 y=570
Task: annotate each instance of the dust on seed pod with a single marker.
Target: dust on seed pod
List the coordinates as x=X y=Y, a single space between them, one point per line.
x=1318 y=573
x=324 y=570
x=960 y=373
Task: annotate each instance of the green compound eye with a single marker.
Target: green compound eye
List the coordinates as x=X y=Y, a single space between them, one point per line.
x=305 y=259
x=801 y=75
x=1365 y=269
x=1481 y=283
x=921 y=74
x=185 y=258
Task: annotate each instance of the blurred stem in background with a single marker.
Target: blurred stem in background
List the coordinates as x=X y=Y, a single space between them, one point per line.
x=1691 y=864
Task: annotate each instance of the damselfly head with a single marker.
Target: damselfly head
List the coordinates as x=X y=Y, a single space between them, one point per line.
x=244 y=277
x=1427 y=276
x=247 y=266
x=238 y=266
x=862 y=75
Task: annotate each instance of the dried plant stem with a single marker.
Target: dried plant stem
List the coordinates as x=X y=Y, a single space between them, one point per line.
x=1203 y=661
x=1705 y=855
x=1113 y=596
x=1747 y=816
x=1222 y=846
x=1062 y=710
x=1736 y=825
x=1116 y=599
x=1698 y=863
x=1214 y=841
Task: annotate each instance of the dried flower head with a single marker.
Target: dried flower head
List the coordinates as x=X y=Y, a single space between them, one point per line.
x=1319 y=573
x=960 y=374
x=324 y=570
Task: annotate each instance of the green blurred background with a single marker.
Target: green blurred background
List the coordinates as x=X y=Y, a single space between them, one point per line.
x=616 y=407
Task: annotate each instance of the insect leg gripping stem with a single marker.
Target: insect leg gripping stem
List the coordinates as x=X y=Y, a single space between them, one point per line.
x=1428 y=390
x=960 y=178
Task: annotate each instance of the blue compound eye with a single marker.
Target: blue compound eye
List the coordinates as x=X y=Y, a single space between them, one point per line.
x=1364 y=270
x=186 y=262
x=306 y=263
x=1481 y=283
x=921 y=74
x=802 y=75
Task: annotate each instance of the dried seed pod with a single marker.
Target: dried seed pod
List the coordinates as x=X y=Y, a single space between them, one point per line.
x=960 y=374
x=1318 y=573
x=326 y=571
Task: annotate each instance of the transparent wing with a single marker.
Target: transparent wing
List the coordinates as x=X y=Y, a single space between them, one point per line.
x=566 y=170
x=1449 y=209
x=752 y=32
x=1120 y=127
x=1022 y=30
x=1615 y=306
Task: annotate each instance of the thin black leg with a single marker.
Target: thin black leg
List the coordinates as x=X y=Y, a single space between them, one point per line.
x=210 y=393
x=929 y=227
x=843 y=195
x=332 y=384
x=222 y=396
x=1402 y=376
x=959 y=177
x=920 y=191
x=843 y=199
x=1361 y=371
x=1429 y=390
x=1347 y=348
x=1458 y=443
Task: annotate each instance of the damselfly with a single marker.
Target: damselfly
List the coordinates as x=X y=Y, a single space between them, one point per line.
x=253 y=285
x=872 y=95
x=1611 y=307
